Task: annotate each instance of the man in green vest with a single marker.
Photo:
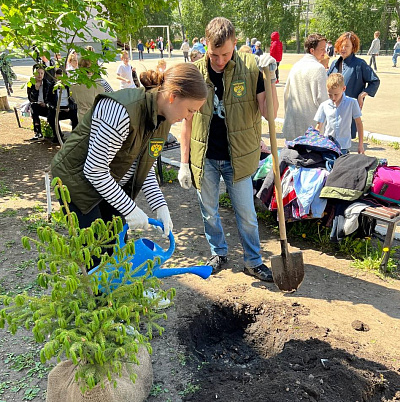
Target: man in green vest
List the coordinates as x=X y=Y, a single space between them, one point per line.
x=223 y=139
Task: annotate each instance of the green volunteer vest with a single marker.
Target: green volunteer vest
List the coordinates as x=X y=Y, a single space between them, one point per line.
x=242 y=118
x=144 y=142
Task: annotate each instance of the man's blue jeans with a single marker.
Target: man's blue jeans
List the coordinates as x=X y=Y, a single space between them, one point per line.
x=241 y=195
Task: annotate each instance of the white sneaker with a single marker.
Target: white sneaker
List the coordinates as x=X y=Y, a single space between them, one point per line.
x=162 y=302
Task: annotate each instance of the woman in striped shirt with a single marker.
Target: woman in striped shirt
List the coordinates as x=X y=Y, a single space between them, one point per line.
x=111 y=154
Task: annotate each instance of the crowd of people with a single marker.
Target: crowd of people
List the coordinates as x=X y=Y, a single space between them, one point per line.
x=151 y=45
x=220 y=99
x=43 y=97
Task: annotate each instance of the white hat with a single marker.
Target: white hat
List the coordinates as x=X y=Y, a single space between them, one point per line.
x=258 y=43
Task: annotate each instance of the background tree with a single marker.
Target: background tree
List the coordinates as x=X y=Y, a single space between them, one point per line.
x=196 y=14
x=363 y=17
x=53 y=28
x=30 y=28
x=163 y=17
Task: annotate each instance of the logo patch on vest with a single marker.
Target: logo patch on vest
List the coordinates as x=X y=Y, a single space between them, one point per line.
x=155 y=147
x=239 y=88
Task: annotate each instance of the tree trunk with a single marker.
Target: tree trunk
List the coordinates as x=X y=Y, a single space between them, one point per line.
x=385 y=25
x=298 y=26
x=58 y=134
x=4 y=103
x=182 y=26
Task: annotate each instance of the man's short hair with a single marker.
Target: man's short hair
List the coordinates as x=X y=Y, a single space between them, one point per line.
x=335 y=80
x=313 y=41
x=218 y=31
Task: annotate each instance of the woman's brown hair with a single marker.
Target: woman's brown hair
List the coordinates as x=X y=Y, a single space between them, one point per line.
x=183 y=80
x=151 y=79
x=354 y=39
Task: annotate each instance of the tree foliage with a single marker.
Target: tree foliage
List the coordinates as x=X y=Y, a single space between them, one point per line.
x=196 y=14
x=55 y=26
x=332 y=18
x=259 y=18
x=29 y=28
x=162 y=17
x=131 y=15
x=251 y=18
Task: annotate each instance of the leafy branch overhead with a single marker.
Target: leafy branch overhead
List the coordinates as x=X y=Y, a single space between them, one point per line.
x=41 y=27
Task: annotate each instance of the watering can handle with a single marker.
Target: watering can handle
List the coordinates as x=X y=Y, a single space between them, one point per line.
x=153 y=222
x=171 y=249
x=167 y=254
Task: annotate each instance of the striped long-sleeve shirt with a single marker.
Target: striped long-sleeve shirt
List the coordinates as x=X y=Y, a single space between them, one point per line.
x=110 y=128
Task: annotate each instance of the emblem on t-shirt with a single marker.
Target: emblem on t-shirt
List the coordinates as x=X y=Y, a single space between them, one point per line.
x=239 y=88
x=219 y=108
x=155 y=147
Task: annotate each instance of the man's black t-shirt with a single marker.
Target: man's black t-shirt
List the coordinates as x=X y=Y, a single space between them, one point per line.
x=218 y=137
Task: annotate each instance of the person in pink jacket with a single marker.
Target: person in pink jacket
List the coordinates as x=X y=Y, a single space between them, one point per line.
x=276 y=51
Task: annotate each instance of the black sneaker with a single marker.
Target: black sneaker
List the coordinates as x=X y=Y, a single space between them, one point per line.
x=261 y=272
x=217 y=261
x=36 y=137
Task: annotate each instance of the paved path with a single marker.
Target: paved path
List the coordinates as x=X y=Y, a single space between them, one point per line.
x=381 y=115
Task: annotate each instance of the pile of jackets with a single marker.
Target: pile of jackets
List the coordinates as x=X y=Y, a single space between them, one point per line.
x=313 y=171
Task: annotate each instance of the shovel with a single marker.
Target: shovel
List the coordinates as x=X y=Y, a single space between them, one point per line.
x=287 y=268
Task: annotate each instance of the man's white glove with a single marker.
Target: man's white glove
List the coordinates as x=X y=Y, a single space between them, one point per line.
x=164 y=217
x=137 y=219
x=184 y=176
x=265 y=60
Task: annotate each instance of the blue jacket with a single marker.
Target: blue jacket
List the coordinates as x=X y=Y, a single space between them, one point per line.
x=358 y=76
x=199 y=47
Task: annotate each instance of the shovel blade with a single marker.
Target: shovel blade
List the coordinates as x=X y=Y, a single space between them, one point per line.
x=288 y=271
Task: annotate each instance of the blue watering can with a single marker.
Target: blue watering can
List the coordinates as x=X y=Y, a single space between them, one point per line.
x=145 y=250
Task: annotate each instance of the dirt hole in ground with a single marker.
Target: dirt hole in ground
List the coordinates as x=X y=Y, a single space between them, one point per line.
x=243 y=353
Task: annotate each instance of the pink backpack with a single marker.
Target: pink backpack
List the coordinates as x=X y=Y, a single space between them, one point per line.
x=386 y=184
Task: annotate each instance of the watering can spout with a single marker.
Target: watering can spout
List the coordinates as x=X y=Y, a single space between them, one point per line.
x=204 y=271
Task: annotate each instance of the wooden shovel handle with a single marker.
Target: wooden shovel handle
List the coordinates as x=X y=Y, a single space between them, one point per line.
x=274 y=151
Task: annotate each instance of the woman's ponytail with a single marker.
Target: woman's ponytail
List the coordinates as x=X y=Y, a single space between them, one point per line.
x=183 y=80
x=151 y=79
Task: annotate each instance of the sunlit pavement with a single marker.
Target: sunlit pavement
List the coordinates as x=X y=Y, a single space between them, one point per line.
x=381 y=115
